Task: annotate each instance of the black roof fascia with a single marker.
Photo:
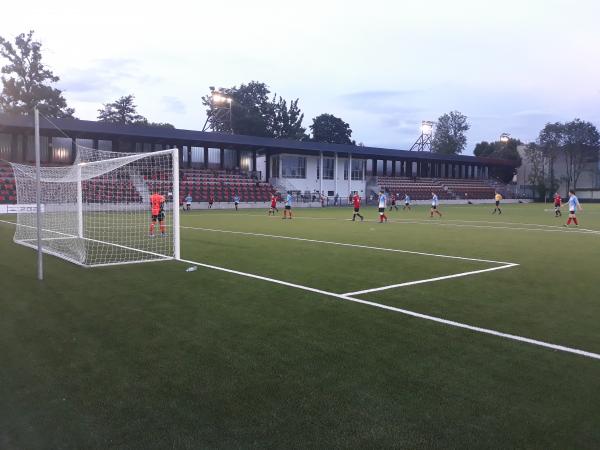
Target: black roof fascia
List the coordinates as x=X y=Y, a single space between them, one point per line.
x=88 y=128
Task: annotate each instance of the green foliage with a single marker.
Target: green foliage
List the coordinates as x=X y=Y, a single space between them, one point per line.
x=538 y=176
x=550 y=141
x=155 y=124
x=331 y=129
x=252 y=112
x=500 y=150
x=27 y=81
x=123 y=111
x=577 y=141
x=287 y=121
x=581 y=144
x=450 y=137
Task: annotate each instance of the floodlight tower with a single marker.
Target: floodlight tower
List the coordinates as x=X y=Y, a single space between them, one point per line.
x=504 y=138
x=423 y=143
x=220 y=113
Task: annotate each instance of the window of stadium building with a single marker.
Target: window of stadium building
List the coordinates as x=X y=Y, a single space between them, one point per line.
x=293 y=167
x=328 y=168
x=357 y=169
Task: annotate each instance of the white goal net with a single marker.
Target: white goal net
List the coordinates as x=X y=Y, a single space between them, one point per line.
x=104 y=209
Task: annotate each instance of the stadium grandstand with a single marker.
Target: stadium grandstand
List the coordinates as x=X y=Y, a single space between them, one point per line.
x=221 y=166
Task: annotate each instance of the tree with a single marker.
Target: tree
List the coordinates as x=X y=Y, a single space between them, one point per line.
x=253 y=113
x=154 y=124
x=287 y=122
x=581 y=144
x=123 y=111
x=328 y=128
x=537 y=163
x=28 y=81
x=500 y=150
x=550 y=141
x=449 y=137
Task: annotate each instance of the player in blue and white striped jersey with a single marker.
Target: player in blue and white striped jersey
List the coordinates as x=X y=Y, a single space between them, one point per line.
x=434 y=205
x=574 y=205
x=382 y=205
x=406 y=202
x=288 y=206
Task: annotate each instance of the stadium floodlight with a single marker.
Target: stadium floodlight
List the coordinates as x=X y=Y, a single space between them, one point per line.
x=220 y=113
x=96 y=212
x=504 y=137
x=427 y=127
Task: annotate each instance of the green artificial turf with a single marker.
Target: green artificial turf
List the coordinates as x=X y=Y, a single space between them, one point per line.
x=150 y=356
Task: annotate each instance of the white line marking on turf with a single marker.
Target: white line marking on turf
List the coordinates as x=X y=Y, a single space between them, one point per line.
x=429 y=280
x=349 y=245
x=452 y=323
x=465 y=223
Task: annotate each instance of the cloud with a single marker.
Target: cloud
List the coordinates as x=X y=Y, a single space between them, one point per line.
x=532 y=113
x=173 y=104
x=383 y=101
x=104 y=79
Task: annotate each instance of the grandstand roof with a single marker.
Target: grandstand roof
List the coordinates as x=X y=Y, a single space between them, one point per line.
x=101 y=130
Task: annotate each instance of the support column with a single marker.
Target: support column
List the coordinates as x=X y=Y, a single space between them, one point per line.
x=385 y=167
x=267 y=166
x=374 y=167
x=205 y=157
x=335 y=174
x=364 y=174
x=180 y=153
x=222 y=158
x=73 y=149
x=349 y=173
x=14 y=148
x=321 y=173
x=393 y=167
x=238 y=159
x=253 y=160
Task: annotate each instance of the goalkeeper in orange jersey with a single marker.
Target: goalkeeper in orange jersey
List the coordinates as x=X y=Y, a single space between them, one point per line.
x=157 y=205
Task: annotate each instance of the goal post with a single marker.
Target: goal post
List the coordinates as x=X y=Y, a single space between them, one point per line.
x=97 y=211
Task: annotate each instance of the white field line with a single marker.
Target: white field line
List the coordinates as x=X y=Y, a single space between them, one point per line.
x=452 y=323
x=429 y=280
x=461 y=223
x=343 y=244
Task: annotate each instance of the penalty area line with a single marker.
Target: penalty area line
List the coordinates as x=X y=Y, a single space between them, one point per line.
x=344 y=244
x=429 y=280
x=440 y=320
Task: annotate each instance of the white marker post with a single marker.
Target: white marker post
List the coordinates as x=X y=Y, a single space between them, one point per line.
x=176 y=237
x=38 y=196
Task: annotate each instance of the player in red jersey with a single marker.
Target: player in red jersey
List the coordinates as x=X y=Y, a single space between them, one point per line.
x=557 y=203
x=211 y=200
x=273 y=205
x=157 y=209
x=393 y=202
x=356 y=204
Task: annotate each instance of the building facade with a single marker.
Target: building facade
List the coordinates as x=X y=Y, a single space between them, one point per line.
x=289 y=165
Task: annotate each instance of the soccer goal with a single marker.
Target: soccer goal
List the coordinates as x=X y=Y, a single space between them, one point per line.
x=97 y=212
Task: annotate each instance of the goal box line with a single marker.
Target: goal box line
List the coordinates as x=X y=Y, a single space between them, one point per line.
x=501 y=264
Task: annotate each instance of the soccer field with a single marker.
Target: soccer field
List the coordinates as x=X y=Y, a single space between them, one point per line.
x=473 y=330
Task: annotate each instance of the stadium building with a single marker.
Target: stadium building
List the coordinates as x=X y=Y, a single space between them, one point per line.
x=222 y=165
